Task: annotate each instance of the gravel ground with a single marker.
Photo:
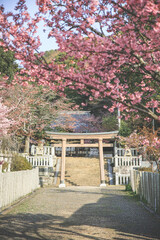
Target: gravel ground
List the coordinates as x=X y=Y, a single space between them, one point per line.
x=77 y=213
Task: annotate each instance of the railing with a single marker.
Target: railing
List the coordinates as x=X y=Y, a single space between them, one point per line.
x=128 y=161
x=121 y=151
x=6 y=156
x=122 y=179
x=47 y=150
x=41 y=161
x=123 y=166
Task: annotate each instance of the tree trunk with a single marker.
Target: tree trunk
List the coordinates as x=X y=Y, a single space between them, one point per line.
x=27 y=142
x=152 y=169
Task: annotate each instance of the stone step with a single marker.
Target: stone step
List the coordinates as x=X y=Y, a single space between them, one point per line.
x=82 y=171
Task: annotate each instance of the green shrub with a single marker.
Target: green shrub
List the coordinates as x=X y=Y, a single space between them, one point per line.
x=20 y=163
x=125 y=129
x=4 y=166
x=110 y=123
x=128 y=187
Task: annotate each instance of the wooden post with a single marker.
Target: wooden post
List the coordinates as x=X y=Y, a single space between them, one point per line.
x=82 y=141
x=116 y=179
x=27 y=143
x=101 y=161
x=62 y=181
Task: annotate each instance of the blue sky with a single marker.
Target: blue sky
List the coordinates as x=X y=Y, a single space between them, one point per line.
x=47 y=44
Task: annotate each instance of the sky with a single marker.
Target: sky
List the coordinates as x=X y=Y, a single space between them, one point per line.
x=47 y=44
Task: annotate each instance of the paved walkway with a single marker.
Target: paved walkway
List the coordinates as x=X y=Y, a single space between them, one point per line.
x=79 y=213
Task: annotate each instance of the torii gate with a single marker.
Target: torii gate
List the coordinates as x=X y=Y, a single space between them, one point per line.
x=65 y=141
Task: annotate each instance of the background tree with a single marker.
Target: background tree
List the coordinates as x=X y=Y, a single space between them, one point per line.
x=146 y=142
x=107 y=41
x=8 y=65
x=34 y=108
x=112 y=47
x=5 y=121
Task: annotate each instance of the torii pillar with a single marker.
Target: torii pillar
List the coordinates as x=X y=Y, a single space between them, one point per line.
x=62 y=180
x=101 y=162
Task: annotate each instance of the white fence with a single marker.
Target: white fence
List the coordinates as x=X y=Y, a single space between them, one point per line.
x=147 y=186
x=128 y=161
x=14 y=185
x=123 y=166
x=42 y=161
x=46 y=150
x=122 y=179
x=122 y=151
x=6 y=157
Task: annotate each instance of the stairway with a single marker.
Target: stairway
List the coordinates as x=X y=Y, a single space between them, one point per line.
x=81 y=171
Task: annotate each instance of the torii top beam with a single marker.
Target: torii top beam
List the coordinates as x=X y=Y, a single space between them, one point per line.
x=99 y=135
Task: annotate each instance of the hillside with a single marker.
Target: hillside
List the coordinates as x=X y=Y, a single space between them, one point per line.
x=50 y=55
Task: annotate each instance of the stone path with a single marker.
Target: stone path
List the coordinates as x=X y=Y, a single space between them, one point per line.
x=79 y=213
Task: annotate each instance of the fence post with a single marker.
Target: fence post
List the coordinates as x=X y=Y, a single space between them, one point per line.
x=1 y=182
x=116 y=179
x=147 y=185
x=132 y=180
x=152 y=187
x=155 y=192
x=159 y=191
x=52 y=151
x=149 y=182
x=141 y=186
x=116 y=160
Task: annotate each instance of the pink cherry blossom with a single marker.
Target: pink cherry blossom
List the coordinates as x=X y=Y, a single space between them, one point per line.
x=114 y=58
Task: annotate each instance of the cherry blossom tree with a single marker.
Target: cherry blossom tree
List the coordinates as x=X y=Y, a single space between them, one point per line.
x=78 y=121
x=146 y=142
x=34 y=108
x=89 y=123
x=113 y=47
x=5 y=122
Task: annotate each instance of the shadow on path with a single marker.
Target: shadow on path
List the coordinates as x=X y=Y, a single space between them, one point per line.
x=112 y=215
x=39 y=226
x=125 y=216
